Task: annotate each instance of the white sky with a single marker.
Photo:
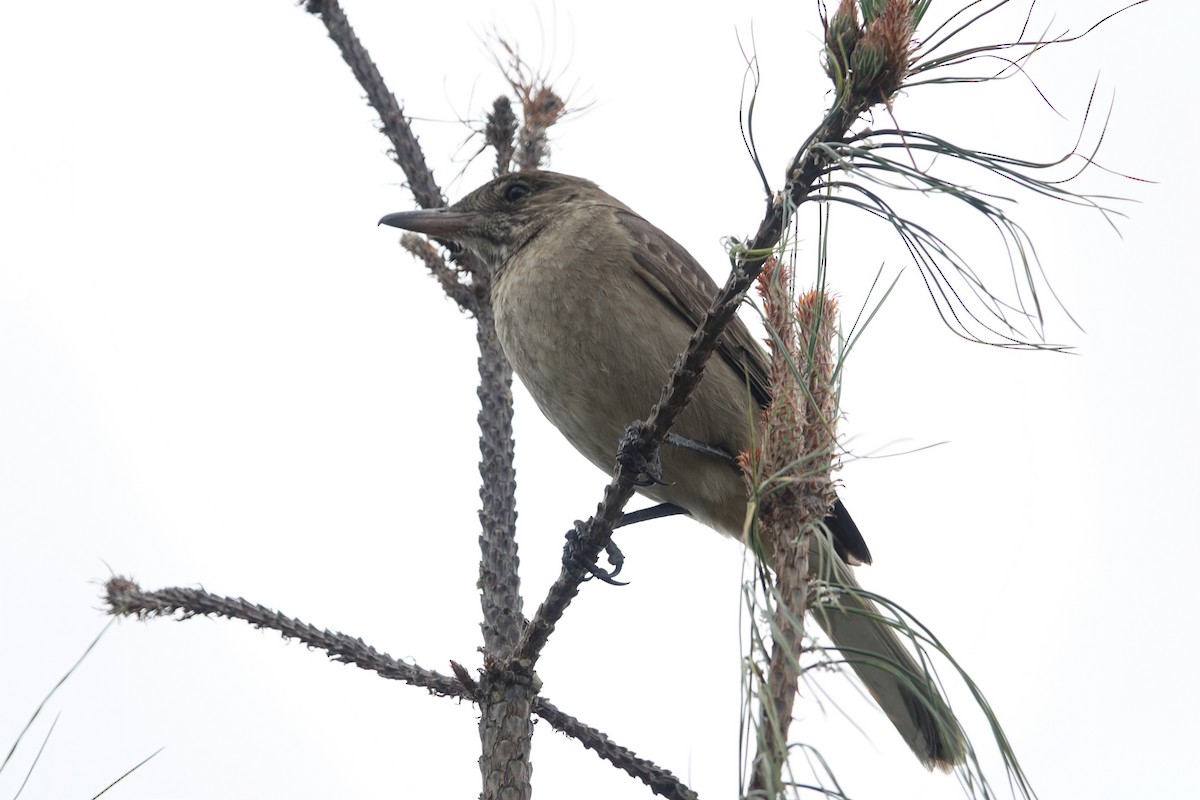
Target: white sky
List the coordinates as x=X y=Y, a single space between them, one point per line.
x=216 y=370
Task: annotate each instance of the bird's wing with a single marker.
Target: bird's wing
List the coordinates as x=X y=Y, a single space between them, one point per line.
x=688 y=290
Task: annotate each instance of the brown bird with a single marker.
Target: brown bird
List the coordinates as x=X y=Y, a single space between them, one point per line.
x=593 y=306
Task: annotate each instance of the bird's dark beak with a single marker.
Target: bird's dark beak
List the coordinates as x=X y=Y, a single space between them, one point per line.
x=440 y=222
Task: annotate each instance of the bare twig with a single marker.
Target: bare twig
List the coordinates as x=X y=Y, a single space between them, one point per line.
x=406 y=150
x=499 y=581
x=446 y=276
x=541 y=106
x=126 y=598
x=500 y=134
x=505 y=723
x=661 y=782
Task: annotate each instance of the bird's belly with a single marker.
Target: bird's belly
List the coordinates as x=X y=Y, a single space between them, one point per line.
x=592 y=374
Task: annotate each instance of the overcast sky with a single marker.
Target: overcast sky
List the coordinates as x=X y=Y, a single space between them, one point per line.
x=215 y=370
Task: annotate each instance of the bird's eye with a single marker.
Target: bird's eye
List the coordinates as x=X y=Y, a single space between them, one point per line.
x=516 y=191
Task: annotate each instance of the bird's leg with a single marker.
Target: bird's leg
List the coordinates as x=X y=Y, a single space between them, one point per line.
x=646 y=514
x=572 y=557
x=615 y=556
x=703 y=449
x=640 y=458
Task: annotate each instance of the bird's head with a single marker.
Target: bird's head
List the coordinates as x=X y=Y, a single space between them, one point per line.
x=500 y=217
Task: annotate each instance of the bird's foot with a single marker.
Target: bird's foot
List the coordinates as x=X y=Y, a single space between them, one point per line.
x=574 y=557
x=640 y=457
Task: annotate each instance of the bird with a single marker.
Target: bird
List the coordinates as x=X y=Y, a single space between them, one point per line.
x=592 y=306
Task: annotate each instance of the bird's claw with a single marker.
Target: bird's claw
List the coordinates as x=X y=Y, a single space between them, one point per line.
x=573 y=557
x=617 y=559
x=640 y=457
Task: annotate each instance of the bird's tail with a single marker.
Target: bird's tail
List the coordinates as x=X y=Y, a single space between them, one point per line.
x=869 y=643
